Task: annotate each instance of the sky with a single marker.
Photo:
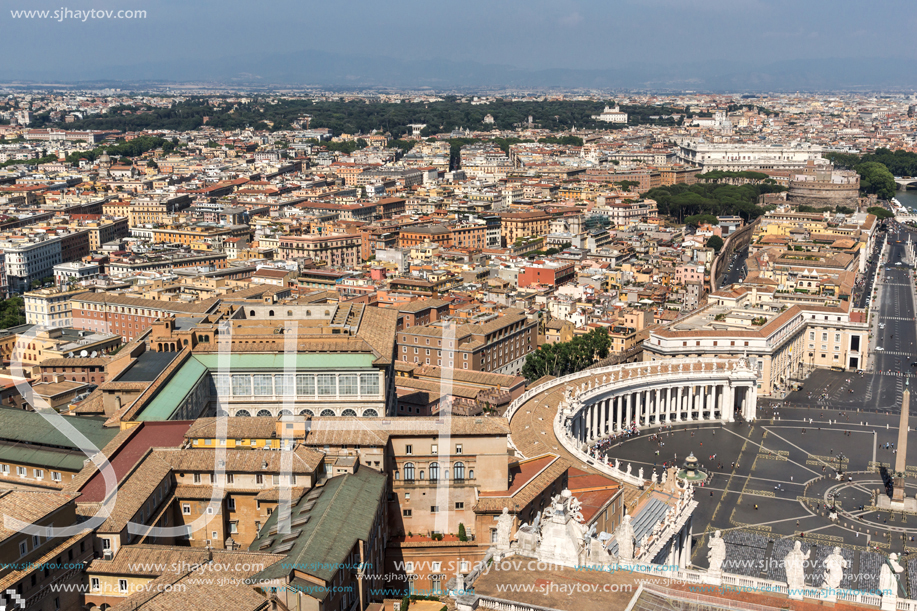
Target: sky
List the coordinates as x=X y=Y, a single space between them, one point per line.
x=525 y=34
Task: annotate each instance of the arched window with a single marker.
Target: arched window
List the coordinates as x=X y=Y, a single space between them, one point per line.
x=308 y=312
x=286 y=412
x=327 y=412
x=327 y=312
x=458 y=471
x=434 y=471
x=349 y=412
x=306 y=412
x=252 y=313
x=421 y=474
x=270 y=313
x=470 y=473
x=264 y=412
x=242 y=412
x=290 y=313
x=370 y=413
x=186 y=342
x=409 y=471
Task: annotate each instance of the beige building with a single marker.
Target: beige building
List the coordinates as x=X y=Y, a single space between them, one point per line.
x=783 y=342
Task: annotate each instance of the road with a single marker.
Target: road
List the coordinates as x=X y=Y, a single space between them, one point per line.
x=880 y=387
x=736 y=270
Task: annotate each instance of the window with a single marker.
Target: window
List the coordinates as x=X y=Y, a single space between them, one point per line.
x=434 y=509
x=327 y=384
x=94 y=584
x=197 y=478
x=259 y=479
x=264 y=384
x=230 y=478
x=106 y=543
x=21 y=471
x=407 y=496
x=231 y=503
x=470 y=473
x=824 y=337
x=460 y=505
x=458 y=448
x=233 y=528
x=36 y=541
x=305 y=384
x=242 y=385
x=406 y=513
x=408 y=471
x=122 y=585
x=458 y=471
x=39 y=473
x=434 y=449
x=347 y=384
x=369 y=384
x=214 y=535
x=23 y=548
x=186 y=509
x=55 y=475
x=434 y=471
x=408 y=449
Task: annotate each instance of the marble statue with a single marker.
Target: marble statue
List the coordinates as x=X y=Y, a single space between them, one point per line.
x=888 y=578
x=665 y=476
x=575 y=507
x=624 y=535
x=617 y=465
x=504 y=529
x=717 y=553
x=640 y=474
x=628 y=469
x=834 y=570
x=604 y=378
x=654 y=477
x=794 y=563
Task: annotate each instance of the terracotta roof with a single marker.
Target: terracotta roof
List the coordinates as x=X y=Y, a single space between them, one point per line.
x=530 y=478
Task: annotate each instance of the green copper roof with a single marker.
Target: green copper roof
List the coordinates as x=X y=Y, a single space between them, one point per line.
x=170 y=397
x=20 y=426
x=278 y=362
x=343 y=513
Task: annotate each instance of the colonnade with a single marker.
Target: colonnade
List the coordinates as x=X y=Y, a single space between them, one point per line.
x=614 y=412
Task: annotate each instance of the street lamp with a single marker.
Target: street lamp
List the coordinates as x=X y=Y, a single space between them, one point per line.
x=840 y=464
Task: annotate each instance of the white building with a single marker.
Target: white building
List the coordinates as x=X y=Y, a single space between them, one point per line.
x=738 y=157
x=74 y=271
x=611 y=115
x=29 y=261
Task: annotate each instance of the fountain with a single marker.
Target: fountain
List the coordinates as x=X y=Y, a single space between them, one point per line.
x=689 y=473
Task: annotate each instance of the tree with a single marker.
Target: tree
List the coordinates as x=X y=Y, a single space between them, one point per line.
x=461 y=533
x=696 y=220
x=879 y=212
x=715 y=242
x=875 y=178
x=567 y=357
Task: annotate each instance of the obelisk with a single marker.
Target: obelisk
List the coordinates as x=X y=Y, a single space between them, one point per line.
x=901 y=456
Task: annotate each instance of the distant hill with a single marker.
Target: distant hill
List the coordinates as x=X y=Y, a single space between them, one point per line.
x=321 y=68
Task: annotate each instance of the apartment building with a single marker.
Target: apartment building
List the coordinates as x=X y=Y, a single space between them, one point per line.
x=496 y=343
x=336 y=250
x=28 y=261
x=50 y=307
x=547 y=273
x=127 y=316
x=516 y=225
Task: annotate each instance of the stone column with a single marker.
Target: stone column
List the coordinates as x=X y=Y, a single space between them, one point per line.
x=619 y=411
x=719 y=390
x=678 y=405
x=692 y=397
x=629 y=412
x=711 y=401
x=638 y=408
x=656 y=405
x=752 y=402
x=730 y=404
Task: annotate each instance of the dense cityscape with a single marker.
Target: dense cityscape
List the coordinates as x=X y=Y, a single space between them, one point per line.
x=337 y=350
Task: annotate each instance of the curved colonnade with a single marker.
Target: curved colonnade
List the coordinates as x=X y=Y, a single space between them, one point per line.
x=612 y=400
